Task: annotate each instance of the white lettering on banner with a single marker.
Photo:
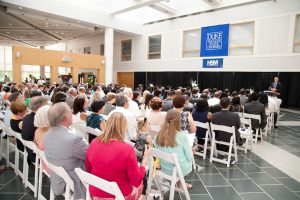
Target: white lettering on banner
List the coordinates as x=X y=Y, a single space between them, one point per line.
x=214 y=40
x=212 y=63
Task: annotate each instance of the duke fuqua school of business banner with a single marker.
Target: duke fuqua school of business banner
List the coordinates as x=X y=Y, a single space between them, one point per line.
x=214 y=42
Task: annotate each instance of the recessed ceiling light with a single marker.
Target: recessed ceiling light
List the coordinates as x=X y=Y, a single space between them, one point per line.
x=78 y=20
x=20 y=8
x=10 y=24
x=56 y=31
x=62 y=33
x=56 y=25
x=46 y=26
x=31 y=33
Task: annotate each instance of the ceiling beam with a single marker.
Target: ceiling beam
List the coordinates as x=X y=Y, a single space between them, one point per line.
x=140 y=4
x=164 y=8
x=17 y=40
x=76 y=13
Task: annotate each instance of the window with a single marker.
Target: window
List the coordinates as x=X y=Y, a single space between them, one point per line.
x=57 y=47
x=241 y=39
x=5 y=62
x=87 y=50
x=297 y=34
x=101 y=49
x=126 y=50
x=191 y=43
x=154 y=51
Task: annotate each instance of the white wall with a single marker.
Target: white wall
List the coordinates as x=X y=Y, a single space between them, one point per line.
x=273 y=42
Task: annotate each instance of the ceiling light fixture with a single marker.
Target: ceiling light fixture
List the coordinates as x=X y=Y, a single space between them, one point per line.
x=8 y=32
x=10 y=24
x=20 y=8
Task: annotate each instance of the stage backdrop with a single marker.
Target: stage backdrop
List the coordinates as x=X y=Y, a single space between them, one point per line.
x=232 y=80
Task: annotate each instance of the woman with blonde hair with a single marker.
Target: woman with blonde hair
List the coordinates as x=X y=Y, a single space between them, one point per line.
x=171 y=139
x=42 y=123
x=112 y=159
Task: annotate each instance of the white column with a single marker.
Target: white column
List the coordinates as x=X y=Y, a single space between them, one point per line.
x=108 y=55
x=42 y=68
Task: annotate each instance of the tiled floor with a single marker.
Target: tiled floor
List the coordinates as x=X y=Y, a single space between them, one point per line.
x=252 y=178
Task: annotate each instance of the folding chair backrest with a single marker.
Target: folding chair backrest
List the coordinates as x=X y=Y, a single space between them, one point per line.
x=227 y=129
x=240 y=114
x=60 y=171
x=245 y=121
x=93 y=131
x=155 y=128
x=202 y=125
x=252 y=116
x=30 y=145
x=8 y=131
x=105 y=117
x=106 y=186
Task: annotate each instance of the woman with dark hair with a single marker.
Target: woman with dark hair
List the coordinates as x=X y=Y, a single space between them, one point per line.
x=145 y=109
x=187 y=122
x=201 y=114
x=95 y=120
x=79 y=107
x=60 y=97
x=263 y=98
x=235 y=104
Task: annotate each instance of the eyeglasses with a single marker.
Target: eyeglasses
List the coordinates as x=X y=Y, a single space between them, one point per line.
x=145 y=120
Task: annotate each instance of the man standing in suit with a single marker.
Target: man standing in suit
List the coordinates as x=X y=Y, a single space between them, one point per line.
x=65 y=149
x=276 y=86
x=257 y=108
x=227 y=118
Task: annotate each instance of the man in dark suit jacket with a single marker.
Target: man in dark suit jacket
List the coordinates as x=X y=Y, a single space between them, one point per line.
x=227 y=118
x=276 y=86
x=257 y=108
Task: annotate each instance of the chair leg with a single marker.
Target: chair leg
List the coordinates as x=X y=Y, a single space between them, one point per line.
x=7 y=151
x=246 y=145
x=51 y=194
x=230 y=151
x=172 y=189
x=212 y=149
x=40 y=183
x=205 y=147
x=36 y=173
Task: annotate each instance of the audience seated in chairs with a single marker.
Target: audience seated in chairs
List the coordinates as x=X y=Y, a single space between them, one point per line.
x=201 y=114
x=257 y=108
x=227 y=118
x=156 y=117
x=64 y=149
x=19 y=109
x=108 y=107
x=28 y=128
x=95 y=120
x=42 y=123
x=79 y=107
x=172 y=139
x=118 y=161
x=122 y=107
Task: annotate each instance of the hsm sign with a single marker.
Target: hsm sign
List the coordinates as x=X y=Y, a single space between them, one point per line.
x=213 y=63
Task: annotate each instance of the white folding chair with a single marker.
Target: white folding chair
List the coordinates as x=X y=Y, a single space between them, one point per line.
x=2 y=142
x=60 y=171
x=154 y=129
x=34 y=186
x=41 y=155
x=246 y=132
x=130 y=143
x=207 y=138
x=85 y=130
x=106 y=186
x=17 y=159
x=255 y=117
x=160 y=176
x=105 y=117
x=231 y=144
x=270 y=122
x=10 y=147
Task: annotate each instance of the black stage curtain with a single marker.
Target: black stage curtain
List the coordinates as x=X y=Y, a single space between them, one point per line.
x=231 y=80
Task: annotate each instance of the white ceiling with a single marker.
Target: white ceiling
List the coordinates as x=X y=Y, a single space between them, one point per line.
x=26 y=27
x=41 y=23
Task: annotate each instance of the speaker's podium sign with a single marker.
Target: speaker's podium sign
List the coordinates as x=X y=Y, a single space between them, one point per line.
x=214 y=40
x=213 y=63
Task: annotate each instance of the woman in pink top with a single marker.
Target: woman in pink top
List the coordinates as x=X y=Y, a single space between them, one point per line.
x=111 y=159
x=42 y=123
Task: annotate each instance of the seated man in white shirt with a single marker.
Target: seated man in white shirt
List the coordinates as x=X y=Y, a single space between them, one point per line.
x=122 y=106
x=215 y=100
x=133 y=107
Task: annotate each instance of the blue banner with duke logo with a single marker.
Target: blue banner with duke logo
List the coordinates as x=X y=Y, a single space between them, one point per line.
x=214 y=40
